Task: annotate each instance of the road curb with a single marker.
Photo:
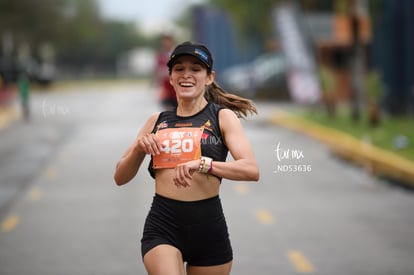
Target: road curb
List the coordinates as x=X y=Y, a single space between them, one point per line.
x=378 y=161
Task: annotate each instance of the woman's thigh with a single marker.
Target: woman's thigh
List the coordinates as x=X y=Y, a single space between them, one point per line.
x=164 y=260
x=223 y=269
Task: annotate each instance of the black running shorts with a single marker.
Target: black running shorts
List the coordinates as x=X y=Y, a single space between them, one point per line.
x=198 y=229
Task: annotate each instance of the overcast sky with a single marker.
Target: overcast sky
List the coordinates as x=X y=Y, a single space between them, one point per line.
x=151 y=14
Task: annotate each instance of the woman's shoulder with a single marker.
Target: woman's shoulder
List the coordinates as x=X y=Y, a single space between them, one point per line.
x=227 y=114
x=152 y=120
x=154 y=116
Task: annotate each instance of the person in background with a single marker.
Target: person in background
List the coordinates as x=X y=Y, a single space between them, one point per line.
x=166 y=92
x=23 y=84
x=185 y=231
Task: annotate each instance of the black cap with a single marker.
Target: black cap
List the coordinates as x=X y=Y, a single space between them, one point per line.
x=194 y=49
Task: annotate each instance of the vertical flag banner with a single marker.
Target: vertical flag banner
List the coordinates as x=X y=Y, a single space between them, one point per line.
x=303 y=79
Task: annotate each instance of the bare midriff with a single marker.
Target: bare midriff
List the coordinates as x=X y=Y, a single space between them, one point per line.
x=203 y=186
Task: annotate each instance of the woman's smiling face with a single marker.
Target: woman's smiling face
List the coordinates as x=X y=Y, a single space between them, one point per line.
x=189 y=77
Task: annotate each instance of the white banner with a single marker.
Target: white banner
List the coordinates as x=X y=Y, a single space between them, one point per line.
x=303 y=73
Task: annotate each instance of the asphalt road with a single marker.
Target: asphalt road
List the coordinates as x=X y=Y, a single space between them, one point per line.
x=61 y=212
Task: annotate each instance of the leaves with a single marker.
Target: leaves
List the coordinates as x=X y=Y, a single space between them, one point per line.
x=74 y=28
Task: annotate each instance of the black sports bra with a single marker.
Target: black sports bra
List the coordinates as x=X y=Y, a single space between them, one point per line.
x=212 y=144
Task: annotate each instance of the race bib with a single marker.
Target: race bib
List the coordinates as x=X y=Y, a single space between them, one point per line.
x=180 y=145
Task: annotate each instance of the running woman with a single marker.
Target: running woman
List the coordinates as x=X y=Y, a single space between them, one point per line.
x=185 y=231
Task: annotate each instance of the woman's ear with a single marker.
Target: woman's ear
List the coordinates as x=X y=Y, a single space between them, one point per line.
x=211 y=77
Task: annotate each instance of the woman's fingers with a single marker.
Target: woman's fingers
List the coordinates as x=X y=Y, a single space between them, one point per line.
x=183 y=177
x=150 y=144
x=143 y=145
x=154 y=144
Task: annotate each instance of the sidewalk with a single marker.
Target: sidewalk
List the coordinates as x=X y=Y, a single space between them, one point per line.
x=377 y=161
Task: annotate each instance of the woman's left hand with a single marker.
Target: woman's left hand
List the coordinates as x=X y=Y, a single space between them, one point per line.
x=184 y=173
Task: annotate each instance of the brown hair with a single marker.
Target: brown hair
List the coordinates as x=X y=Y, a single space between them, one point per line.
x=241 y=106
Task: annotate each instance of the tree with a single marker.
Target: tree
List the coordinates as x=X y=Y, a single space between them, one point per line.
x=74 y=28
x=30 y=21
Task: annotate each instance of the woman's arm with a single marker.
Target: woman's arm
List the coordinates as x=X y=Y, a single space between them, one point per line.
x=244 y=166
x=145 y=143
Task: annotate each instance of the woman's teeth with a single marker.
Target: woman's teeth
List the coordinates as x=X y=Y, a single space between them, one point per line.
x=186 y=84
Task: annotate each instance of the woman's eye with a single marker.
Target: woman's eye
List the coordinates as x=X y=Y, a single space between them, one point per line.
x=180 y=69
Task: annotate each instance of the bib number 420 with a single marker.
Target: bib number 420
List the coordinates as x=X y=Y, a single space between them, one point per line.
x=179 y=145
x=176 y=146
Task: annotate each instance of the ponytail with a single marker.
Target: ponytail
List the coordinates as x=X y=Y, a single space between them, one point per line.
x=241 y=106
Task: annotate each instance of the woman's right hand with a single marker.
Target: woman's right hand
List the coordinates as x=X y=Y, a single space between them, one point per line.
x=150 y=144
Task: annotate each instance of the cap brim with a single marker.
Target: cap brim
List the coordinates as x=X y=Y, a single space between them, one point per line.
x=176 y=56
